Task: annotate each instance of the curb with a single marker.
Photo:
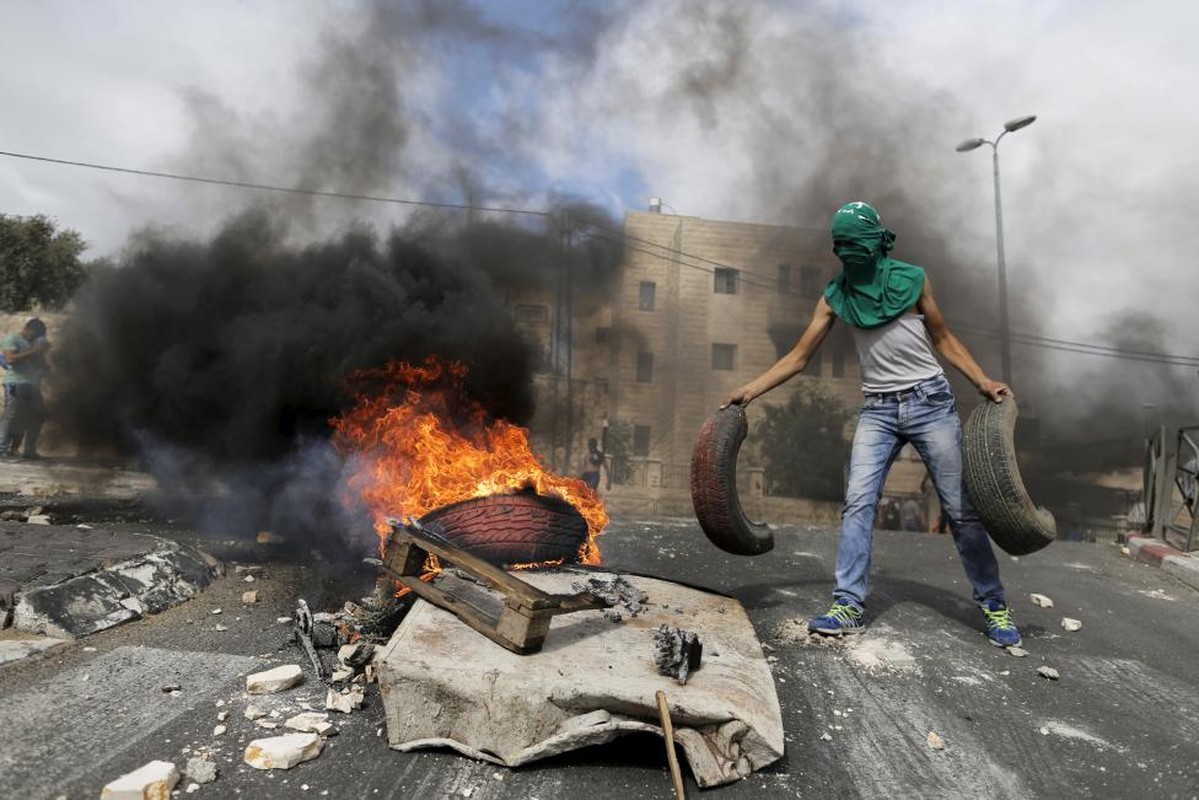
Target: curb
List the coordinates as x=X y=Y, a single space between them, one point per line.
x=104 y=598
x=1157 y=553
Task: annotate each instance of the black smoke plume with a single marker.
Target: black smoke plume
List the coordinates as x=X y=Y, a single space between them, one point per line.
x=219 y=364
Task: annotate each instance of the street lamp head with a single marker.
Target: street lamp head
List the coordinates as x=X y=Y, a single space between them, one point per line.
x=970 y=144
x=1019 y=122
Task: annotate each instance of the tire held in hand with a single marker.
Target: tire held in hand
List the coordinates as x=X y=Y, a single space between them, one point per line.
x=1014 y=522
x=714 y=486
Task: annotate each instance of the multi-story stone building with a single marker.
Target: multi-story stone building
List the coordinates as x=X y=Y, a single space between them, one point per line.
x=697 y=308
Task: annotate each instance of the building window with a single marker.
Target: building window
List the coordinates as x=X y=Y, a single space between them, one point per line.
x=645 y=301
x=809 y=283
x=645 y=368
x=784 y=279
x=532 y=315
x=784 y=338
x=602 y=335
x=724 y=356
x=641 y=440
x=726 y=280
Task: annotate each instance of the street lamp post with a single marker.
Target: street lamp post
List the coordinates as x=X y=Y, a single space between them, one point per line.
x=1005 y=354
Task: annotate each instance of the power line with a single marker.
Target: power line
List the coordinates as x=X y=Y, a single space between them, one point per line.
x=265 y=187
x=670 y=254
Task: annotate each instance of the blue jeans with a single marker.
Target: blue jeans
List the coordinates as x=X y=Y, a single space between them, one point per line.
x=925 y=415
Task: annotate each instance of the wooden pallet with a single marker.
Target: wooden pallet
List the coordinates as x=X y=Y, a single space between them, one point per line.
x=524 y=619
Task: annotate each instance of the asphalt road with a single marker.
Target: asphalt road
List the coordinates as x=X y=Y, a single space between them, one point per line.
x=1122 y=720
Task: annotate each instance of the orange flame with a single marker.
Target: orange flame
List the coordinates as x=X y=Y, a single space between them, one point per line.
x=435 y=447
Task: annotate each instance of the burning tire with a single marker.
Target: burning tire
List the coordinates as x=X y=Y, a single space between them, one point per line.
x=1014 y=522
x=714 y=486
x=507 y=529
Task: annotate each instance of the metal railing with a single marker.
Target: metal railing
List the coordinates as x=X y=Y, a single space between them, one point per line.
x=1171 y=485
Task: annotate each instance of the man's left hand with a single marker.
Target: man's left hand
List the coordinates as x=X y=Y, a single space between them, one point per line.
x=994 y=390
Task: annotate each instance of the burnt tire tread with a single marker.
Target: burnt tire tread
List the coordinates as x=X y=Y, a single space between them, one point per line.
x=714 y=486
x=512 y=528
x=993 y=479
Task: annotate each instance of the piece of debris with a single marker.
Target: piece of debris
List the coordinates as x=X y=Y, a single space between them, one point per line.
x=170 y=687
x=1047 y=672
x=825 y=737
x=304 y=632
x=264 y=723
x=935 y=741
x=249 y=579
x=1018 y=652
x=39 y=519
x=249 y=598
x=267 y=537
x=1040 y=600
x=1124 y=551
x=356 y=656
x=274 y=680
x=219 y=730
x=201 y=770
x=221 y=628
x=222 y=716
x=1071 y=624
x=283 y=752
x=677 y=652
x=614 y=592
x=311 y=722
x=253 y=712
x=192 y=788
x=155 y=779
x=346 y=700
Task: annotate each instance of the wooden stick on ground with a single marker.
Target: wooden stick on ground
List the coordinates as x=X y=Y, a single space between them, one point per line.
x=668 y=733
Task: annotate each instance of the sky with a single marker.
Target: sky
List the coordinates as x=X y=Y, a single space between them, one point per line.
x=769 y=112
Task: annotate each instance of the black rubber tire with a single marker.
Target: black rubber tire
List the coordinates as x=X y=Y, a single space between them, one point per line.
x=714 y=486
x=507 y=529
x=1014 y=522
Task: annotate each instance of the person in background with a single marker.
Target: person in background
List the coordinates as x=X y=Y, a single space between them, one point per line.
x=898 y=330
x=24 y=409
x=593 y=464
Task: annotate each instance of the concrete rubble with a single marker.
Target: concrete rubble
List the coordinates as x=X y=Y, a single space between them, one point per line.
x=154 y=781
x=283 y=752
x=1071 y=624
x=346 y=700
x=200 y=770
x=274 y=680
x=1040 y=600
x=443 y=684
x=311 y=722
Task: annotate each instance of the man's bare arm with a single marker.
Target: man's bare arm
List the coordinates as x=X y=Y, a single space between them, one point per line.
x=791 y=364
x=952 y=349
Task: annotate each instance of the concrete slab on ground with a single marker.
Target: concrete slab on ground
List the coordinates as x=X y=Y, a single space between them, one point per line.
x=71 y=581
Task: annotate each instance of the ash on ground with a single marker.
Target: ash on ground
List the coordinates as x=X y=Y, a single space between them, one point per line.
x=617 y=593
x=677 y=652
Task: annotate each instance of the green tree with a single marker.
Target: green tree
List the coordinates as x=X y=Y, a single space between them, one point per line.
x=39 y=264
x=802 y=445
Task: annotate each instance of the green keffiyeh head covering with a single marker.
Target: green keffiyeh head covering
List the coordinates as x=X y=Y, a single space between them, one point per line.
x=873 y=288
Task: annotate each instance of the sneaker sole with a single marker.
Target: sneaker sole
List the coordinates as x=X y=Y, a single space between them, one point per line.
x=1017 y=643
x=837 y=631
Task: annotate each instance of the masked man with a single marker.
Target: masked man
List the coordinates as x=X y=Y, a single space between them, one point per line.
x=896 y=326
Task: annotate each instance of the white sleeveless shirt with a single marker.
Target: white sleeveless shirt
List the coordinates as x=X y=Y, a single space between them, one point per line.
x=895 y=356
